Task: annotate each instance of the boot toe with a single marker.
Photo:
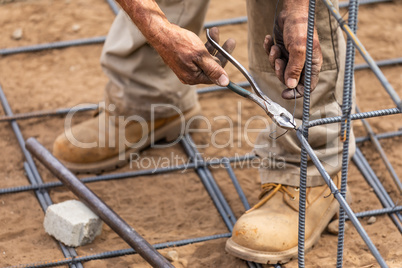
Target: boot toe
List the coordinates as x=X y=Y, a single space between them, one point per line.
x=265 y=233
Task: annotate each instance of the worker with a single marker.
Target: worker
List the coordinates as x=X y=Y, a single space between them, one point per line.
x=153 y=54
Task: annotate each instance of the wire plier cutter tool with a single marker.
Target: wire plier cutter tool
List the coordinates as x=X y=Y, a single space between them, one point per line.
x=277 y=113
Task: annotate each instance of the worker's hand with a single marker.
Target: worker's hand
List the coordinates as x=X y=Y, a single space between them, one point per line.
x=189 y=58
x=288 y=55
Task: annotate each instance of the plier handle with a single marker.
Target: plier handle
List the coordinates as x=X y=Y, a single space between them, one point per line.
x=277 y=113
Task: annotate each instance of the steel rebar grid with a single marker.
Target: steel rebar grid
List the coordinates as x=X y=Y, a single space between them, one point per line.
x=383 y=156
x=346 y=123
x=364 y=53
x=305 y=122
x=376 y=185
x=125 y=231
x=33 y=174
x=340 y=199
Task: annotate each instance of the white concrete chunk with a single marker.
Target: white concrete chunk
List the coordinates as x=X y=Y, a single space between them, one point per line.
x=72 y=223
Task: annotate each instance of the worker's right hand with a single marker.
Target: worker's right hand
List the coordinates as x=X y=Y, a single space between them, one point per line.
x=190 y=59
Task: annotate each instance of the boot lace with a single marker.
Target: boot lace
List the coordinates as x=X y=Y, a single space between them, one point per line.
x=272 y=189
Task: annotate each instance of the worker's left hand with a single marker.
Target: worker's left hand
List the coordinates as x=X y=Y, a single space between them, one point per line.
x=287 y=57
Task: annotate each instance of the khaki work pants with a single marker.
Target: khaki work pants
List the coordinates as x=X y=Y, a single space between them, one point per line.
x=139 y=78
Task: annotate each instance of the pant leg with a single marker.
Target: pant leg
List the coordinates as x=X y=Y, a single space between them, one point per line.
x=281 y=157
x=138 y=76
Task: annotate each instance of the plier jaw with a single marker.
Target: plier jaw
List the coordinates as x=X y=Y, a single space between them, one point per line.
x=280 y=116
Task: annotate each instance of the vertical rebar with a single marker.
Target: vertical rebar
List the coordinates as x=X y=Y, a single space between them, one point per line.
x=346 y=123
x=305 y=118
x=341 y=200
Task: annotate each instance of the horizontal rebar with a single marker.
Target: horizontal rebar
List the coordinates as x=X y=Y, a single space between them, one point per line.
x=380 y=136
x=125 y=175
x=37 y=114
x=377 y=212
x=379 y=63
x=336 y=119
x=341 y=200
x=53 y=45
x=118 y=253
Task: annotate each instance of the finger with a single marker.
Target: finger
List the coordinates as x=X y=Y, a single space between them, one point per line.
x=289 y=93
x=268 y=43
x=274 y=54
x=213 y=71
x=294 y=67
x=280 y=66
x=228 y=46
x=214 y=33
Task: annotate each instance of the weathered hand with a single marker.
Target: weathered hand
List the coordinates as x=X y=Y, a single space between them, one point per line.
x=191 y=60
x=288 y=55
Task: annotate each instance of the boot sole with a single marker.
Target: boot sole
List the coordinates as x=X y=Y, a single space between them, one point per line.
x=170 y=132
x=264 y=257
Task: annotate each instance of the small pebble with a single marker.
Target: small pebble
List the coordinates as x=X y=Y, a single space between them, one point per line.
x=371 y=220
x=334 y=226
x=17 y=34
x=172 y=256
x=76 y=27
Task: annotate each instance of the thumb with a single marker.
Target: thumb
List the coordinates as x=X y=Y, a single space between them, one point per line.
x=294 y=67
x=214 y=71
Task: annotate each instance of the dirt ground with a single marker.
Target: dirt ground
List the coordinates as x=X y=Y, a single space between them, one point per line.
x=172 y=206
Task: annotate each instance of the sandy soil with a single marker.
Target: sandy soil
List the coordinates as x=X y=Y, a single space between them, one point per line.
x=172 y=206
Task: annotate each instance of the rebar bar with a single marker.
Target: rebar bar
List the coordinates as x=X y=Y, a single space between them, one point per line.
x=380 y=136
x=364 y=53
x=377 y=212
x=117 y=224
x=54 y=45
x=305 y=122
x=379 y=63
x=337 y=119
x=341 y=200
x=345 y=124
x=133 y=174
x=63 y=111
x=236 y=184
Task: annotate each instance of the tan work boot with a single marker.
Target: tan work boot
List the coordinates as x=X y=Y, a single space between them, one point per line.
x=107 y=142
x=268 y=233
